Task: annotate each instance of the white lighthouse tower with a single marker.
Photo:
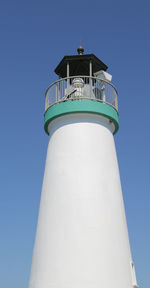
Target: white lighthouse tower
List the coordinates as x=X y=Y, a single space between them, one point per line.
x=82 y=238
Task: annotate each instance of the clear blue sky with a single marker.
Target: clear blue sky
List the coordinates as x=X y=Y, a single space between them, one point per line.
x=34 y=36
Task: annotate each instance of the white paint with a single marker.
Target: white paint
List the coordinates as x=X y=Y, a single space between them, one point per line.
x=82 y=239
x=103 y=75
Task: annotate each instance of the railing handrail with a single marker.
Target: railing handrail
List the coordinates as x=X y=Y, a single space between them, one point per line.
x=81 y=76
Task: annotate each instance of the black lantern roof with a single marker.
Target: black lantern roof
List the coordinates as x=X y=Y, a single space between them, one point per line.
x=79 y=64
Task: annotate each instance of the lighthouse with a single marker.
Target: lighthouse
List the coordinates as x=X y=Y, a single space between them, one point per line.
x=82 y=238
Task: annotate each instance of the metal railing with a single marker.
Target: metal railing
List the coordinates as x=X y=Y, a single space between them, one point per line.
x=81 y=87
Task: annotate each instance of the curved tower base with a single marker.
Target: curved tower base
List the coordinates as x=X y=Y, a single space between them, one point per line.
x=82 y=239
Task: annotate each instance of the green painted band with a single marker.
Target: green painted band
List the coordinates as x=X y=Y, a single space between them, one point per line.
x=81 y=106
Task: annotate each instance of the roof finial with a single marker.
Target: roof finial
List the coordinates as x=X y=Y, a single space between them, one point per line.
x=80 y=50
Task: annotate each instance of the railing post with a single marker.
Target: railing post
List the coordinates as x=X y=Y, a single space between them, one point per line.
x=116 y=101
x=59 y=91
x=56 y=92
x=68 y=75
x=47 y=102
x=103 y=91
x=90 y=80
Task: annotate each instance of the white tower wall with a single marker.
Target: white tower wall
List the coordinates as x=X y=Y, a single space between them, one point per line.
x=82 y=239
